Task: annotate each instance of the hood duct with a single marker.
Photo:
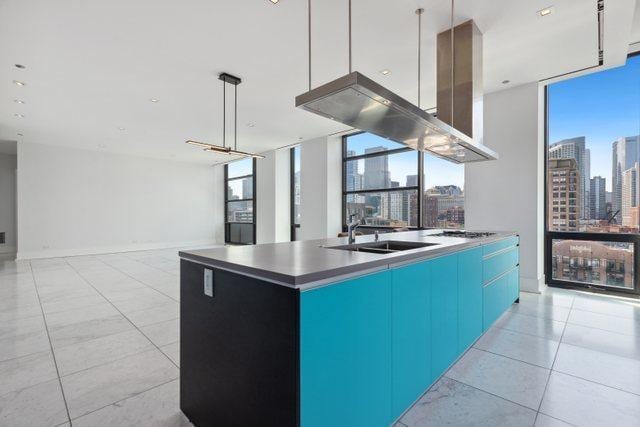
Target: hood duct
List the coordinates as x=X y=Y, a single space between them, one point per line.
x=455 y=135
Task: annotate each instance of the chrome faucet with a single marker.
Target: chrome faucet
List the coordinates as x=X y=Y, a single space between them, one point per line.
x=351 y=228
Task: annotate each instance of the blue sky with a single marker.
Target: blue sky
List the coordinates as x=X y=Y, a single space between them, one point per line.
x=602 y=107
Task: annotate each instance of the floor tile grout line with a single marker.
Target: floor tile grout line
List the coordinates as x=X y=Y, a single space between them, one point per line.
x=53 y=354
x=484 y=391
x=126 y=398
x=538 y=317
x=129 y=320
x=609 y=314
x=596 y=382
x=523 y=333
x=137 y=280
x=546 y=385
x=555 y=418
x=513 y=358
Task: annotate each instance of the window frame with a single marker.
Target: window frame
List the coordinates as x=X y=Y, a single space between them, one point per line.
x=253 y=200
x=550 y=235
x=345 y=192
x=292 y=185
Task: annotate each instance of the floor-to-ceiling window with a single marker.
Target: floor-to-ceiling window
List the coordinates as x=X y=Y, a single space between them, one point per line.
x=240 y=198
x=443 y=194
x=295 y=191
x=592 y=171
x=380 y=182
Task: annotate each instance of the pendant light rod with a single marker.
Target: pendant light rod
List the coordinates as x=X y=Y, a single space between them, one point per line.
x=350 y=68
x=235 y=119
x=419 y=12
x=453 y=57
x=224 y=113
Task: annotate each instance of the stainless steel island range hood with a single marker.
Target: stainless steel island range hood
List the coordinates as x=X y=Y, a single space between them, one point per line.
x=359 y=102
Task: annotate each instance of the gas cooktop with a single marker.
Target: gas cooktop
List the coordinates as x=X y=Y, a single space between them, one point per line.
x=462 y=233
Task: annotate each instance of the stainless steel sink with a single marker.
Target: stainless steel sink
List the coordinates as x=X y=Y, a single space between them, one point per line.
x=385 y=247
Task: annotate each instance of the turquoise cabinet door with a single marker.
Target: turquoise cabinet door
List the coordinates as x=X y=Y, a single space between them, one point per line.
x=469 y=297
x=411 y=334
x=444 y=313
x=345 y=353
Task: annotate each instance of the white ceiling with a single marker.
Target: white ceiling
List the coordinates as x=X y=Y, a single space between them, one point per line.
x=92 y=66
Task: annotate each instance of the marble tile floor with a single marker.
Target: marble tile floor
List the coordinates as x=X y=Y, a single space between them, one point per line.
x=94 y=341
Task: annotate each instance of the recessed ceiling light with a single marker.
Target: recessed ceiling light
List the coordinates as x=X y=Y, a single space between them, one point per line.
x=154 y=100
x=19 y=83
x=274 y=1
x=102 y=146
x=251 y=125
x=22 y=67
x=121 y=128
x=546 y=11
x=18 y=115
x=385 y=72
x=504 y=82
x=18 y=101
x=19 y=134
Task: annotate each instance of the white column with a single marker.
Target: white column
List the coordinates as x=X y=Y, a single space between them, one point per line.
x=508 y=194
x=272 y=195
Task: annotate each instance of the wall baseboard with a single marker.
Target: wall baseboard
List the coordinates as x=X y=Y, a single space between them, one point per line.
x=54 y=253
x=531 y=284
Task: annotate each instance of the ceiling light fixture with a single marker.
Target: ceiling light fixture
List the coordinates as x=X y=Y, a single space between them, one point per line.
x=121 y=128
x=19 y=134
x=18 y=101
x=154 y=100
x=235 y=81
x=19 y=83
x=251 y=125
x=546 y=11
x=22 y=67
x=504 y=82
x=385 y=72
x=18 y=115
x=274 y=1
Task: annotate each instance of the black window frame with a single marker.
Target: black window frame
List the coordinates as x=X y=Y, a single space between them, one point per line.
x=292 y=185
x=253 y=199
x=419 y=188
x=550 y=235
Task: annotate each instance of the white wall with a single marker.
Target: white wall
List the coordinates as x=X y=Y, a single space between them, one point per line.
x=273 y=197
x=320 y=188
x=74 y=202
x=8 y=202
x=508 y=194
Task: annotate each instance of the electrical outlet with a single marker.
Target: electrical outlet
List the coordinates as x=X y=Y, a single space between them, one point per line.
x=208 y=282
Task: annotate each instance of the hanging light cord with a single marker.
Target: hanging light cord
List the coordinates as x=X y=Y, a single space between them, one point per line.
x=235 y=118
x=224 y=114
x=453 y=56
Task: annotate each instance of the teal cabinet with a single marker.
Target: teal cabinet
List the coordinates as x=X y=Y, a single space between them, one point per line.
x=345 y=353
x=469 y=297
x=499 y=262
x=444 y=313
x=411 y=334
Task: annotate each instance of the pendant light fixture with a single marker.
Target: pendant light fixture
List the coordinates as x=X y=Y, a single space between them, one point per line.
x=235 y=81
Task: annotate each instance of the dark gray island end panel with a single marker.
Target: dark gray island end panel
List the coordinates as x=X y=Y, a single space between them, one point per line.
x=239 y=352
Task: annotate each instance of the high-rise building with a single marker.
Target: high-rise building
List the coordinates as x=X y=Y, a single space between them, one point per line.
x=598 y=198
x=624 y=156
x=564 y=194
x=431 y=211
x=376 y=169
x=575 y=148
x=630 y=197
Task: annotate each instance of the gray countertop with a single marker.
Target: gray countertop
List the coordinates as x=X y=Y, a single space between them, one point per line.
x=307 y=264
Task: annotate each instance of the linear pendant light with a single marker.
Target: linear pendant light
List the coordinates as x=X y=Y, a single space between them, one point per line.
x=235 y=81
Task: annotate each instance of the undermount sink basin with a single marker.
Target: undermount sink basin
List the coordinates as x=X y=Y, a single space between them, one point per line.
x=385 y=247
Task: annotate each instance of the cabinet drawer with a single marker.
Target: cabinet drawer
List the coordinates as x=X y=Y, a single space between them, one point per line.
x=499 y=263
x=499 y=245
x=498 y=296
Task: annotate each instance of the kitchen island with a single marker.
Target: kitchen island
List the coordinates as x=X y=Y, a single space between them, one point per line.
x=323 y=333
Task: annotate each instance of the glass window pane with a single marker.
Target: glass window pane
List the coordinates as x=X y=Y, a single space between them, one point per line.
x=385 y=209
x=379 y=172
x=443 y=198
x=593 y=262
x=364 y=143
x=296 y=185
x=594 y=152
x=240 y=211
x=240 y=168
x=240 y=188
